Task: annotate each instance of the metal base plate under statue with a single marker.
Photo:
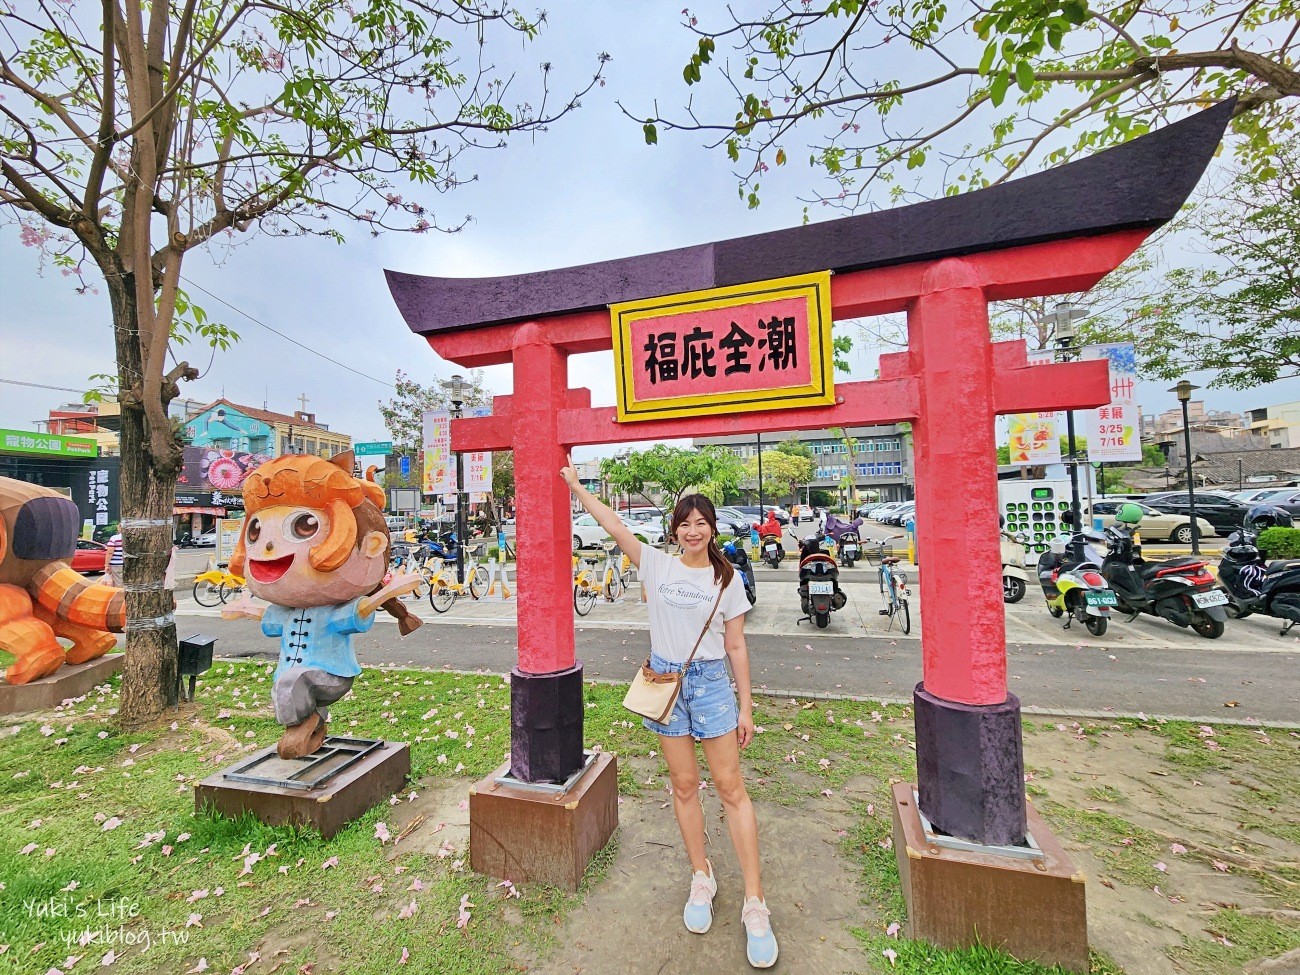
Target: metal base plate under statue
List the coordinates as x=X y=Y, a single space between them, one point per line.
x=543 y=833
x=70 y=680
x=325 y=790
x=1027 y=900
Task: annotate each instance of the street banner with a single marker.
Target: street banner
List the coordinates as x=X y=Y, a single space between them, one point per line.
x=762 y=346
x=439 y=471
x=1035 y=438
x=1113 y=431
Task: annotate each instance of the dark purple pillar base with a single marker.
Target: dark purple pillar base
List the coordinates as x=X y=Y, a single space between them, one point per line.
x=970 y=768
x=545 y=724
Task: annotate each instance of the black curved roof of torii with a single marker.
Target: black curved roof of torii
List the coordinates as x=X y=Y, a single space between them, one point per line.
x=1139 y=184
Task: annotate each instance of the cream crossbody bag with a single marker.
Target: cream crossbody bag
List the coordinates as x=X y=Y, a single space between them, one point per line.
x=653 y=695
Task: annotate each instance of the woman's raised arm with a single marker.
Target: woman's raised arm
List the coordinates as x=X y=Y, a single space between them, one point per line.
x=604 y=515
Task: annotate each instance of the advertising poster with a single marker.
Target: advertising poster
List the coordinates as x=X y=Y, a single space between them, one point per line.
x=1113 y=431
x=1035 y=438
x=439 y=471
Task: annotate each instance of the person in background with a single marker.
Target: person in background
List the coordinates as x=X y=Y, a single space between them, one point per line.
x=116 y=560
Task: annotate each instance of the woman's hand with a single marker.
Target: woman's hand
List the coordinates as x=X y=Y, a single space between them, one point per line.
x=745 y=727
x=569 y=474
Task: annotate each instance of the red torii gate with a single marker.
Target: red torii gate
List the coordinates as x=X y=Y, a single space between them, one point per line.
x=941 y=263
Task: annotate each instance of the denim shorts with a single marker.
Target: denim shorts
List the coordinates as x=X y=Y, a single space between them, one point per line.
x=706 y=706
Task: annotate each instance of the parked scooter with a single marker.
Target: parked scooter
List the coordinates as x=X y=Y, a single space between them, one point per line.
x=1255 y=585
x=736 y=556
x=1075 y=589
x=1015 y=580
x=849 y=547
x=771 y=550
x=819 y=584
x=1180 y=590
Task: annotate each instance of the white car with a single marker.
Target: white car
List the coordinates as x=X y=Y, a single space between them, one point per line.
x=587 y=533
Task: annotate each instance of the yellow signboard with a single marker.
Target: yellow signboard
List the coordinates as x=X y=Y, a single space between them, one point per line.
x=743 y=348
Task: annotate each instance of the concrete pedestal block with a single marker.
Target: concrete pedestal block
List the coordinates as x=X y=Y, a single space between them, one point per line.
x=970 y=768
x=70 y=680
x=1031 y=905
x=529 y=835
x=328 y=807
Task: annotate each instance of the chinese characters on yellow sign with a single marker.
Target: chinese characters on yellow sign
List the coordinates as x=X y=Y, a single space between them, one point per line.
x=763 y=346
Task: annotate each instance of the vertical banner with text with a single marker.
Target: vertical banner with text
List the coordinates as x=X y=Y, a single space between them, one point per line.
x=1034 y=438
x=440 y=463
x=439 y=474
x=1113 y=431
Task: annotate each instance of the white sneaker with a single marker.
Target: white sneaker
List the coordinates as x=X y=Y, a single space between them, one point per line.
x=698 y=914
x=760 y=942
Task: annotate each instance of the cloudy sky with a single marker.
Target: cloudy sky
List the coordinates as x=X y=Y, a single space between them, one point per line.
x=588 y=190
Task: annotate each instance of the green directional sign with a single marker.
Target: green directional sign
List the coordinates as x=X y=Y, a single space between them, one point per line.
x=24 y=442
x=376 y=448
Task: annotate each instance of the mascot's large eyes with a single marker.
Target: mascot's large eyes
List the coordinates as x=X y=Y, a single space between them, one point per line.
x=302 y=526
x=254 y=528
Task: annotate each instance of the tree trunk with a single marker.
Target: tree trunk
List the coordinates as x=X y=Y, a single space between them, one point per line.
x=148 y=491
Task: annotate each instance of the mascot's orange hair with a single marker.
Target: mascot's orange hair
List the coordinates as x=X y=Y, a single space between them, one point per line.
x=311 y=482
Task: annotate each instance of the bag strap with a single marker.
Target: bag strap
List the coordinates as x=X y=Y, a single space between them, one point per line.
x=707 y=624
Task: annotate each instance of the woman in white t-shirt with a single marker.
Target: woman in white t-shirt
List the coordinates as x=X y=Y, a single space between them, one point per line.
x=681 y=594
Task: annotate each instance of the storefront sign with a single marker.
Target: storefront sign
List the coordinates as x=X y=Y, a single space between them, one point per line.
x=764 y=346
x=47 y=444
x=1113 y=431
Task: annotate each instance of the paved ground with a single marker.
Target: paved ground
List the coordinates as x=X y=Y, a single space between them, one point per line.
x=1148 y=665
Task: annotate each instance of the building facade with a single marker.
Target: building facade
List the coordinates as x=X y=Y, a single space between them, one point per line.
x=231 y=426
x=1280 y=424
x=879 y=462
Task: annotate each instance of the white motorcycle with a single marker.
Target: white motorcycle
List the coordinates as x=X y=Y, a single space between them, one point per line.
x=1015 y=580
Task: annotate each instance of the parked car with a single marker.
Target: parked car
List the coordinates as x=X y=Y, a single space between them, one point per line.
x=864 y=511
x=1257 y=495
x=90 y=557
x=883 y=511
x=1155 y=523
x=752 y=512
x=587 y=532
x=733 y=521
x=1225 y=514
x=206 y=540
x=1288 y=499
x=899 y=515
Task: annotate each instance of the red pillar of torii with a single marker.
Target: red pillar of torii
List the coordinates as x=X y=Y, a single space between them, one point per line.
x=949 y=384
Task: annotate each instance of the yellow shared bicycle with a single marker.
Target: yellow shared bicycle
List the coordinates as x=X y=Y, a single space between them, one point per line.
x=217 y=585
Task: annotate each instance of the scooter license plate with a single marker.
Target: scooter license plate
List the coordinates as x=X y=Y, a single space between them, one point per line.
x=770 y=548
x=1100 y=597
x=821 y=588
x=1215 y=597
x=850 y=550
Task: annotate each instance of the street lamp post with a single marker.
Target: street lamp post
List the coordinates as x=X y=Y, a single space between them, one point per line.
x=1062 y=319
x=456 y=397
x=1184 y=391
x=1239 y=477
x=758 y=437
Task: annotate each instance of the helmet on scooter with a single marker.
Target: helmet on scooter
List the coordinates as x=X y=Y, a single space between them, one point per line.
x=1265 y=516
x=1129 y=514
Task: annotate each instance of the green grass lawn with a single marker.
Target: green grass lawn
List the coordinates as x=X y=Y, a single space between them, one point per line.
x=103 y=860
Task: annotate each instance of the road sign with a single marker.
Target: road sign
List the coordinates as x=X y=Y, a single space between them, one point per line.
x=404 y=465
x=376 y=448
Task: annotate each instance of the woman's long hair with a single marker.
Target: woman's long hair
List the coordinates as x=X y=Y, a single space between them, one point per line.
x=722 y=568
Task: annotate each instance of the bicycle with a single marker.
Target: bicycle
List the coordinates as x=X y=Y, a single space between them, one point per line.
x=215 y=586
x=444 y=590
x=893 y=585
x=585 y=588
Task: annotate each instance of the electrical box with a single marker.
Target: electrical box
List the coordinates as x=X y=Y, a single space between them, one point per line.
x=1034 y=509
